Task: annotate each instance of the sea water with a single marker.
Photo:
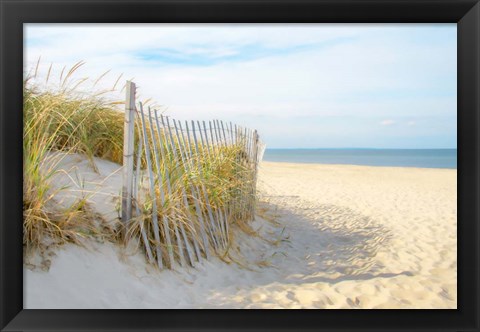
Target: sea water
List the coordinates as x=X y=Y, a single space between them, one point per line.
x=424 y=158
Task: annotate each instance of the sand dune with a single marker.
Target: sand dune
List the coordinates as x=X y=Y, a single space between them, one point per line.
x=329 y=236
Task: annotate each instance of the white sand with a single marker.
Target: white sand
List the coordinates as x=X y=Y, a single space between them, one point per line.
x=343 y=237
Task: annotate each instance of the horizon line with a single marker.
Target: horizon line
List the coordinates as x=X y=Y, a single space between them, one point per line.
x=362 y=148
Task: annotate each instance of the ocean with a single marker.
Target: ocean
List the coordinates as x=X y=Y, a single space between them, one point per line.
x=424 y=158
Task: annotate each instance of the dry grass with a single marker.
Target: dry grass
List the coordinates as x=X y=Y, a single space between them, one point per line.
x=62 y=120
x=191 y=185
x=65 y=119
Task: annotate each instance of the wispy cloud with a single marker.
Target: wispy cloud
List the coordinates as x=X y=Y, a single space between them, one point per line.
x=387 y=122
x=204 y=56
x=296 y=77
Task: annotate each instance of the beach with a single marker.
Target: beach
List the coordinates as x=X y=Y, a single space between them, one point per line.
x=375 y=237
x=325 y=236
x=240 y=167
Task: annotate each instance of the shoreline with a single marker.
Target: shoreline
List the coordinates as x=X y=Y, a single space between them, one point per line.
x=354 y=165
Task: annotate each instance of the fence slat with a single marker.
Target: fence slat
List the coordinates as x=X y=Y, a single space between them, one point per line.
x=237 y=160
x=211 y=135
x=152 y=190
x=128 y=146
x=209 y=148
x=209 y=209
x=216 y=150
x=224 y=136
x=165 y=223
x=184 y=196
x=252 y=171
x=136 y=200
x=231 y=133
x=170 y=193
x=215 y=130
x=196 y=196
x=221 y=215
x=227 y=206
x=218 y=215
x=186 y=167
x=254 y=195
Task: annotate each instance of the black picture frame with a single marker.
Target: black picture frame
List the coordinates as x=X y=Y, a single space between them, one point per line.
x=14 y=13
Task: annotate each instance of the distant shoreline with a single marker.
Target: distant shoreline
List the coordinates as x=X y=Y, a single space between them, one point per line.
x=411 y=158
x=406 y=149
x=346 y=166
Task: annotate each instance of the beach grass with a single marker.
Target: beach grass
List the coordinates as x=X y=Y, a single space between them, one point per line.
x=191 y=184
x=67 y=119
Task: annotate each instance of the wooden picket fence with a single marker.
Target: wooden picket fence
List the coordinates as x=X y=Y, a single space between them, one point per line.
x=168 y=199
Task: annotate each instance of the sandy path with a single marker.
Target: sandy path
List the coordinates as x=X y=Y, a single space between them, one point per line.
x=375 y=237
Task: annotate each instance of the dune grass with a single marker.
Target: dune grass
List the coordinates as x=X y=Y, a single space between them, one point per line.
x=61 y=120
x=69 y=120
x=195 y=186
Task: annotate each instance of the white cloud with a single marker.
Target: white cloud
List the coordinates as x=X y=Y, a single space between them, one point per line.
x=387 y=122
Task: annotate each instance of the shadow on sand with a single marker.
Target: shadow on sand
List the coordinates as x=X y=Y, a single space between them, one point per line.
x=326 y=243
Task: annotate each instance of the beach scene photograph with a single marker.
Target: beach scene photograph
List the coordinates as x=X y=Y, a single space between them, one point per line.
x=240 y=166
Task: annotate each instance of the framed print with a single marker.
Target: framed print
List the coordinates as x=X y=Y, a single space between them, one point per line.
x=313 y=155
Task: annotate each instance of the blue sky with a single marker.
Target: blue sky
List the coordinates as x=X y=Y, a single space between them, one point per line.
x=301 y=85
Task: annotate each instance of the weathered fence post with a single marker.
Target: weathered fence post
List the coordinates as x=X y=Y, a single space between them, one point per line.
x=128 y=140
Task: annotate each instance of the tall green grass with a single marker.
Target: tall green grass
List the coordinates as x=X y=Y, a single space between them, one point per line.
x=61 y=120
x=69 y=120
